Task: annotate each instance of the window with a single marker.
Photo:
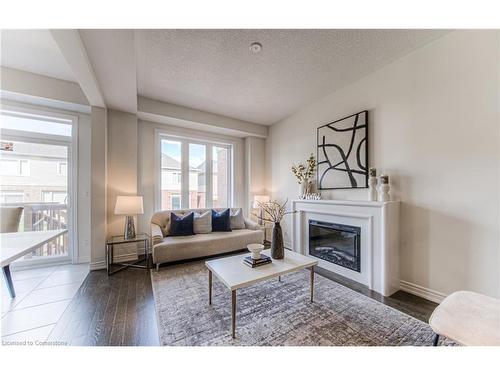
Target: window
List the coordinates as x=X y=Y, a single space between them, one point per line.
x=175 y=202
x=37 y=154
x=194 y=174
x=171 y=174
x=24 y=122
x=55 y=196
x=14 y=167
x=62 y=168
x=176 y=177
x=11 y=197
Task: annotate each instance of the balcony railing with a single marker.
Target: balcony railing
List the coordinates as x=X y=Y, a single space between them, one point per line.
x=42 y=216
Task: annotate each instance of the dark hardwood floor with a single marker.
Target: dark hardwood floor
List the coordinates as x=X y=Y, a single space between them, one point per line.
x=115 y=310
x=119 y=310
x=410 y=304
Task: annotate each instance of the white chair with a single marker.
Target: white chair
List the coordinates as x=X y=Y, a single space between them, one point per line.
x=10 y=218
x=467 y=318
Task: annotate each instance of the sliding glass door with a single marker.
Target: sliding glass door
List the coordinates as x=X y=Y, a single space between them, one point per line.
x=194 y=174
x=36 y=164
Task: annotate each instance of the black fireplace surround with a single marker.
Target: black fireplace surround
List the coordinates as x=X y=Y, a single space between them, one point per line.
x=336 y=243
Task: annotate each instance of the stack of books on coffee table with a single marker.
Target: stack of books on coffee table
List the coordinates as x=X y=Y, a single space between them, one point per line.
x=264 y=259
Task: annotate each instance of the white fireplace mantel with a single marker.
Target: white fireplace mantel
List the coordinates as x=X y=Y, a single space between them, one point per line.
x=379 y=223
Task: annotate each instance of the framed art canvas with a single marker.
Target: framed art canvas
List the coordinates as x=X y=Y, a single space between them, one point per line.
x=342 y=153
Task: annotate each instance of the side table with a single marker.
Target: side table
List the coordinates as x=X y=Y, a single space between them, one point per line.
x=116 y=240
x=264 y=228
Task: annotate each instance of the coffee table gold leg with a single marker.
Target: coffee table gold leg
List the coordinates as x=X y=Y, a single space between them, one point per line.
x=233 y=313
x=312 y=283
x=209 y=287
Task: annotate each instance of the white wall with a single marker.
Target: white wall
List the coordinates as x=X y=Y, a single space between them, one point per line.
x=255 y=160
x=56 y=93
x=176 y=115
x=84 y=187
x=121 y=164
x=434 y=128
x=98 y=188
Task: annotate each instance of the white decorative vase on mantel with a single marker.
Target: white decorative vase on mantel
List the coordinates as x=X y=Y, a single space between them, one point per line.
x=303 y=187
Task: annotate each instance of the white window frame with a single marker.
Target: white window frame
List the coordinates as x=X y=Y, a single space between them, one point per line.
x=185 y=141
x=29 y=111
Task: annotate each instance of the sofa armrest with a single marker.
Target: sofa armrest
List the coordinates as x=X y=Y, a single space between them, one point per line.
x=249 y=224
x=156 y=234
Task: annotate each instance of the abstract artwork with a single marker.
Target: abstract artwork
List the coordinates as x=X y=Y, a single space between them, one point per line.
x=343 y=153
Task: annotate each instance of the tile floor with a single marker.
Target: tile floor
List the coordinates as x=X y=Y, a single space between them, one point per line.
x=42 y=295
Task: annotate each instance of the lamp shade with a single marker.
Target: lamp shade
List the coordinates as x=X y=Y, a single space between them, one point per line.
x=128 y=205
x=260 y=198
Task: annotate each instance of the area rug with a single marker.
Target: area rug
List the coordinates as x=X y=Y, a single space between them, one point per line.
x=275 y=313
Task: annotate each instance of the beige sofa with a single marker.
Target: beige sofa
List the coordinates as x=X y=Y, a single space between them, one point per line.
x=173 y=248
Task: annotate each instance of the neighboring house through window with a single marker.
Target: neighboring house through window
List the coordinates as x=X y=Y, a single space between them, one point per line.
x=175 y=202
x=207 y=166
x=11 y=197
x=62 y=168
x=54 y=196
x=14 y=167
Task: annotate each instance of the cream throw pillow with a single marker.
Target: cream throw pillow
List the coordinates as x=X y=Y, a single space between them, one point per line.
x=237 y=220
x=202 y=222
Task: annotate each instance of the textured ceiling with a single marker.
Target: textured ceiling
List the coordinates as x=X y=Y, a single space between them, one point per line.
x=34 y=51
x=214 y=70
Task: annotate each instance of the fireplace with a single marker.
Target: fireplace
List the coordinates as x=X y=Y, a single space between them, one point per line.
x=335 y=243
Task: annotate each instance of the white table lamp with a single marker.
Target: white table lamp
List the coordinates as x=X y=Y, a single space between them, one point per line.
x=128 y=206
x=260 y=199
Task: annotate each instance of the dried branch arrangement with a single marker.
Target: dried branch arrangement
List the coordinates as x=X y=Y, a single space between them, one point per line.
x=275 y=210
x=304 y=172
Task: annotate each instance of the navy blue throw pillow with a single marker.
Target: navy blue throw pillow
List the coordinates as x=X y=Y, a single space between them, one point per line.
x=221 y=221
x=181 y=226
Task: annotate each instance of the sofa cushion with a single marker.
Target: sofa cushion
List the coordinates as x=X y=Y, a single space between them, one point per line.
x=221 y=221
x=202 y=222
x=162 y=218
x=181 y=225
x=237 y=219
x=201 y=245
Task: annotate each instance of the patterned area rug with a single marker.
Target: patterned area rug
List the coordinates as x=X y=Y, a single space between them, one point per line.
x=275 y=313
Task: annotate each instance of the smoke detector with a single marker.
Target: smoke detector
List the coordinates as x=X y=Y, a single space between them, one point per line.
x=255 y=47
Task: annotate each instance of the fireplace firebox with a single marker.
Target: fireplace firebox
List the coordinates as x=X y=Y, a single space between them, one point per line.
x=335 y=243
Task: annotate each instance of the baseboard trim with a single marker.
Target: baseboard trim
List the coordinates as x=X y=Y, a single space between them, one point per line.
x=101 y=265
x=96 y=266
x=84 y=260
x=421 y=291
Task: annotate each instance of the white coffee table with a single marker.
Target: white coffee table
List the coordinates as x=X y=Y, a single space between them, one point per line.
x=235 y=275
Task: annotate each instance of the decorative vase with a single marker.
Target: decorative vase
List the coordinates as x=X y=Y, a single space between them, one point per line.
x=277 y=248
x=301 y=189
x=255 y=249
x=383 y=189
x=372 y=185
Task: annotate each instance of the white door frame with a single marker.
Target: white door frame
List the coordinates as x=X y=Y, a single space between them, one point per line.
x=72 y=144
